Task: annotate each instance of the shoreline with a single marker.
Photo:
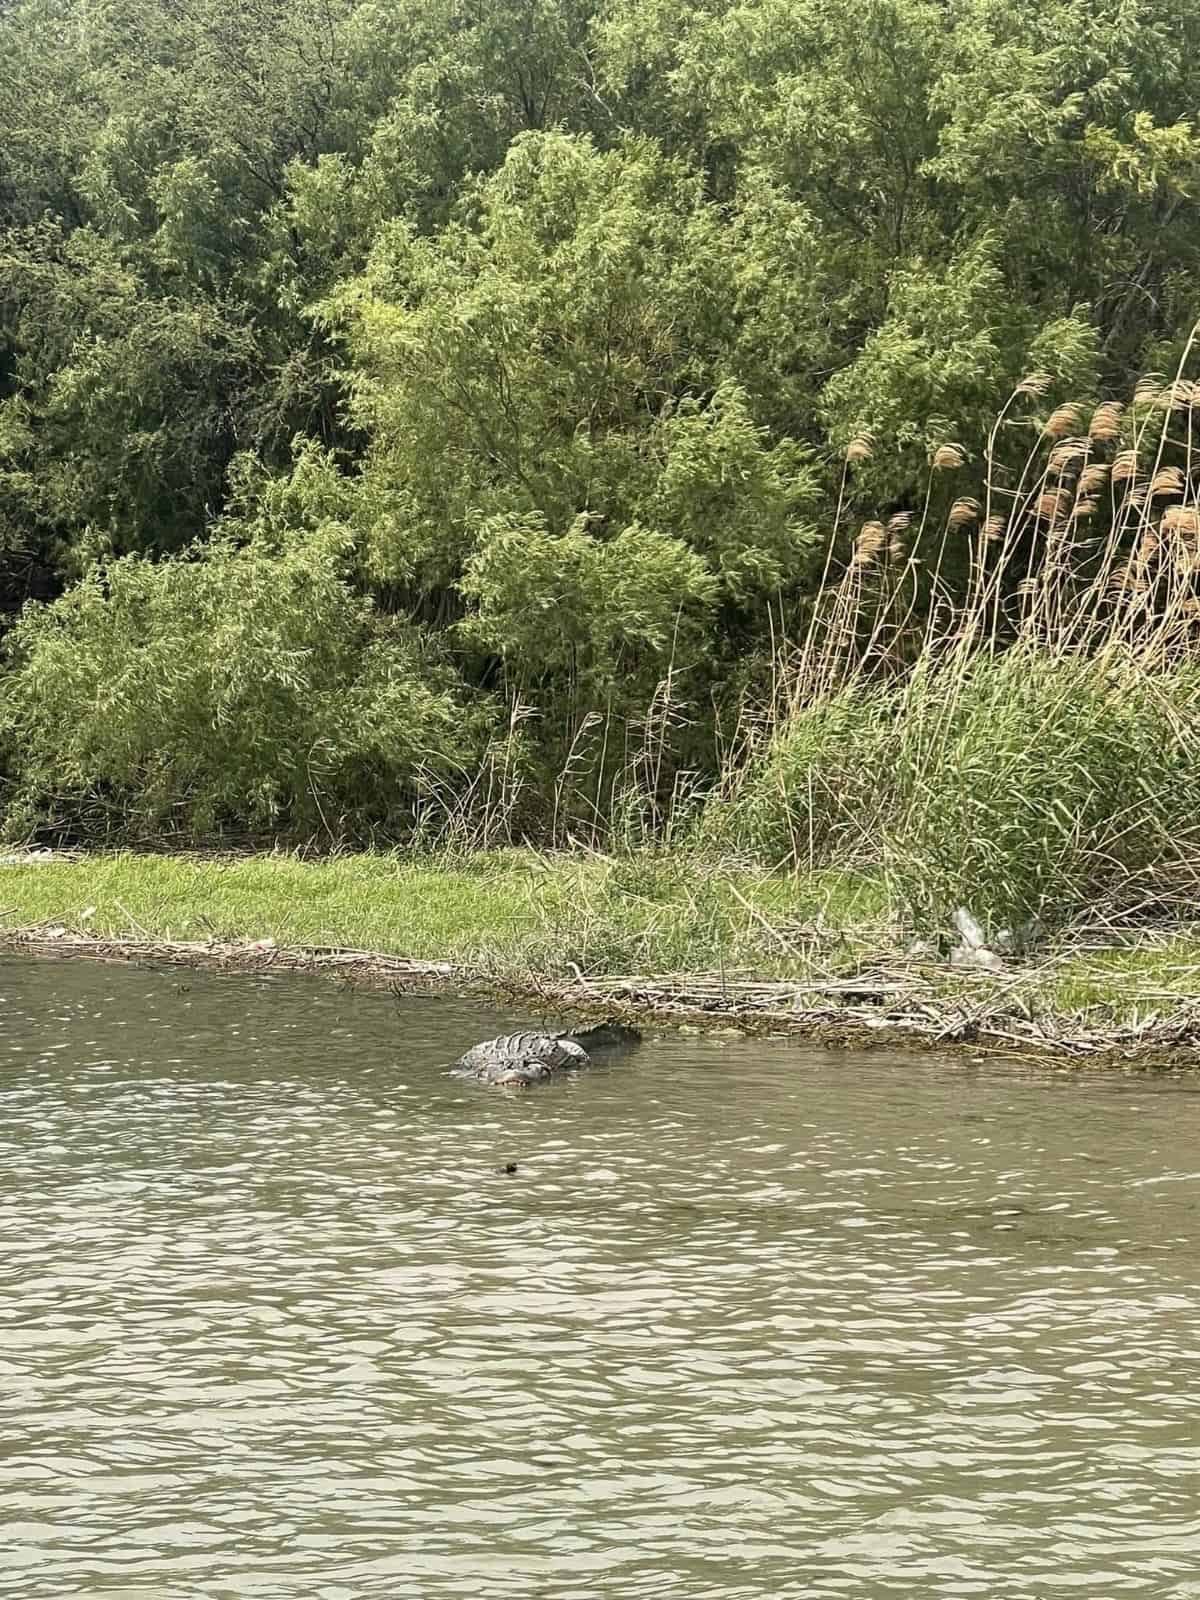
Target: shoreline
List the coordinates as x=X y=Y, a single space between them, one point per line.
x=657 y=939
x=864 y=1012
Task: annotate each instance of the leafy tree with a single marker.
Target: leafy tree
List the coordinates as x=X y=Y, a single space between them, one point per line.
x=566 y=315
x=591 y=346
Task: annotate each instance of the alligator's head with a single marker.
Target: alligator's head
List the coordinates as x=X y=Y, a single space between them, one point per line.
x=516 y=1074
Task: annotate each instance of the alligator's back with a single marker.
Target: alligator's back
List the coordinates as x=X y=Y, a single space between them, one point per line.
x=519 y=1059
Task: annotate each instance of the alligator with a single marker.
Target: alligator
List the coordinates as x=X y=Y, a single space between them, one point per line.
x=517 y=1060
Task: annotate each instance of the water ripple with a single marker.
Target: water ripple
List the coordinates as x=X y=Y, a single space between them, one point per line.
x=748 y=1321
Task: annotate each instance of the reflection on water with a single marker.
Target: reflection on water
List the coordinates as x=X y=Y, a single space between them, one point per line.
x=748 y=1321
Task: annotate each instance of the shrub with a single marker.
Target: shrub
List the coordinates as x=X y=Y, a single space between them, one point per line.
x=247 y=686
x=1026 y=786
x=815 y=791
x=1031 y=785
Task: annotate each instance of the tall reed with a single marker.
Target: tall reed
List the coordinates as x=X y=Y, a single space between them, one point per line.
x=1008 y=690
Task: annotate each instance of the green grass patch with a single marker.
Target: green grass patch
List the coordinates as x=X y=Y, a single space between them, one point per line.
x=1154 y=972
x=606 y=915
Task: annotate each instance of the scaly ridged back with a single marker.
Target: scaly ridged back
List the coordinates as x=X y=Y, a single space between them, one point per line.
x=521 y=1058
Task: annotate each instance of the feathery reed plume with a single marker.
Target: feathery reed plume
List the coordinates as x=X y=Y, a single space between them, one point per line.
x=1167 y=480
x=1085 y=507
x=963 y=512
x=1050 y=505
x=860 y=448
x=1066 y=454
x=1093 y=477
x=948 y=456
x=1124 y=465
x=871 y=540
x=1106 y=421
x=1121 y=579
x=1063 y=420
x=1035 y=383
x=1181 y=395
x=1183 y=520
x=898 y=525
x=993 y=528
x=1148 y=391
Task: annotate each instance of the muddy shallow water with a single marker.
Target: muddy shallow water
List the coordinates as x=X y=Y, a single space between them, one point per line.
x=749 y=1320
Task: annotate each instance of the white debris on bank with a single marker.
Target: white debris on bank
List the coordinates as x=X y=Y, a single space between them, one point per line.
x=973 y=951
x=36 y=858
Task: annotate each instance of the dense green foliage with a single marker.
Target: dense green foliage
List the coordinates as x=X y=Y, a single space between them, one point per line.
x=243 y=685
x=1026 y=787
x=445 y=405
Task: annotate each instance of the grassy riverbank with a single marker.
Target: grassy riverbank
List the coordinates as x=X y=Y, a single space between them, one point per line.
x=672 y=936
x=505 y=910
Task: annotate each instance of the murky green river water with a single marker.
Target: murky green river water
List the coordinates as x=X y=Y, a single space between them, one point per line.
x=749 y=1320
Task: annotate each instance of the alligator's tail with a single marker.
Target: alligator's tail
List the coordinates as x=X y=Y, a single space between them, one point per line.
x=605 y=1036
